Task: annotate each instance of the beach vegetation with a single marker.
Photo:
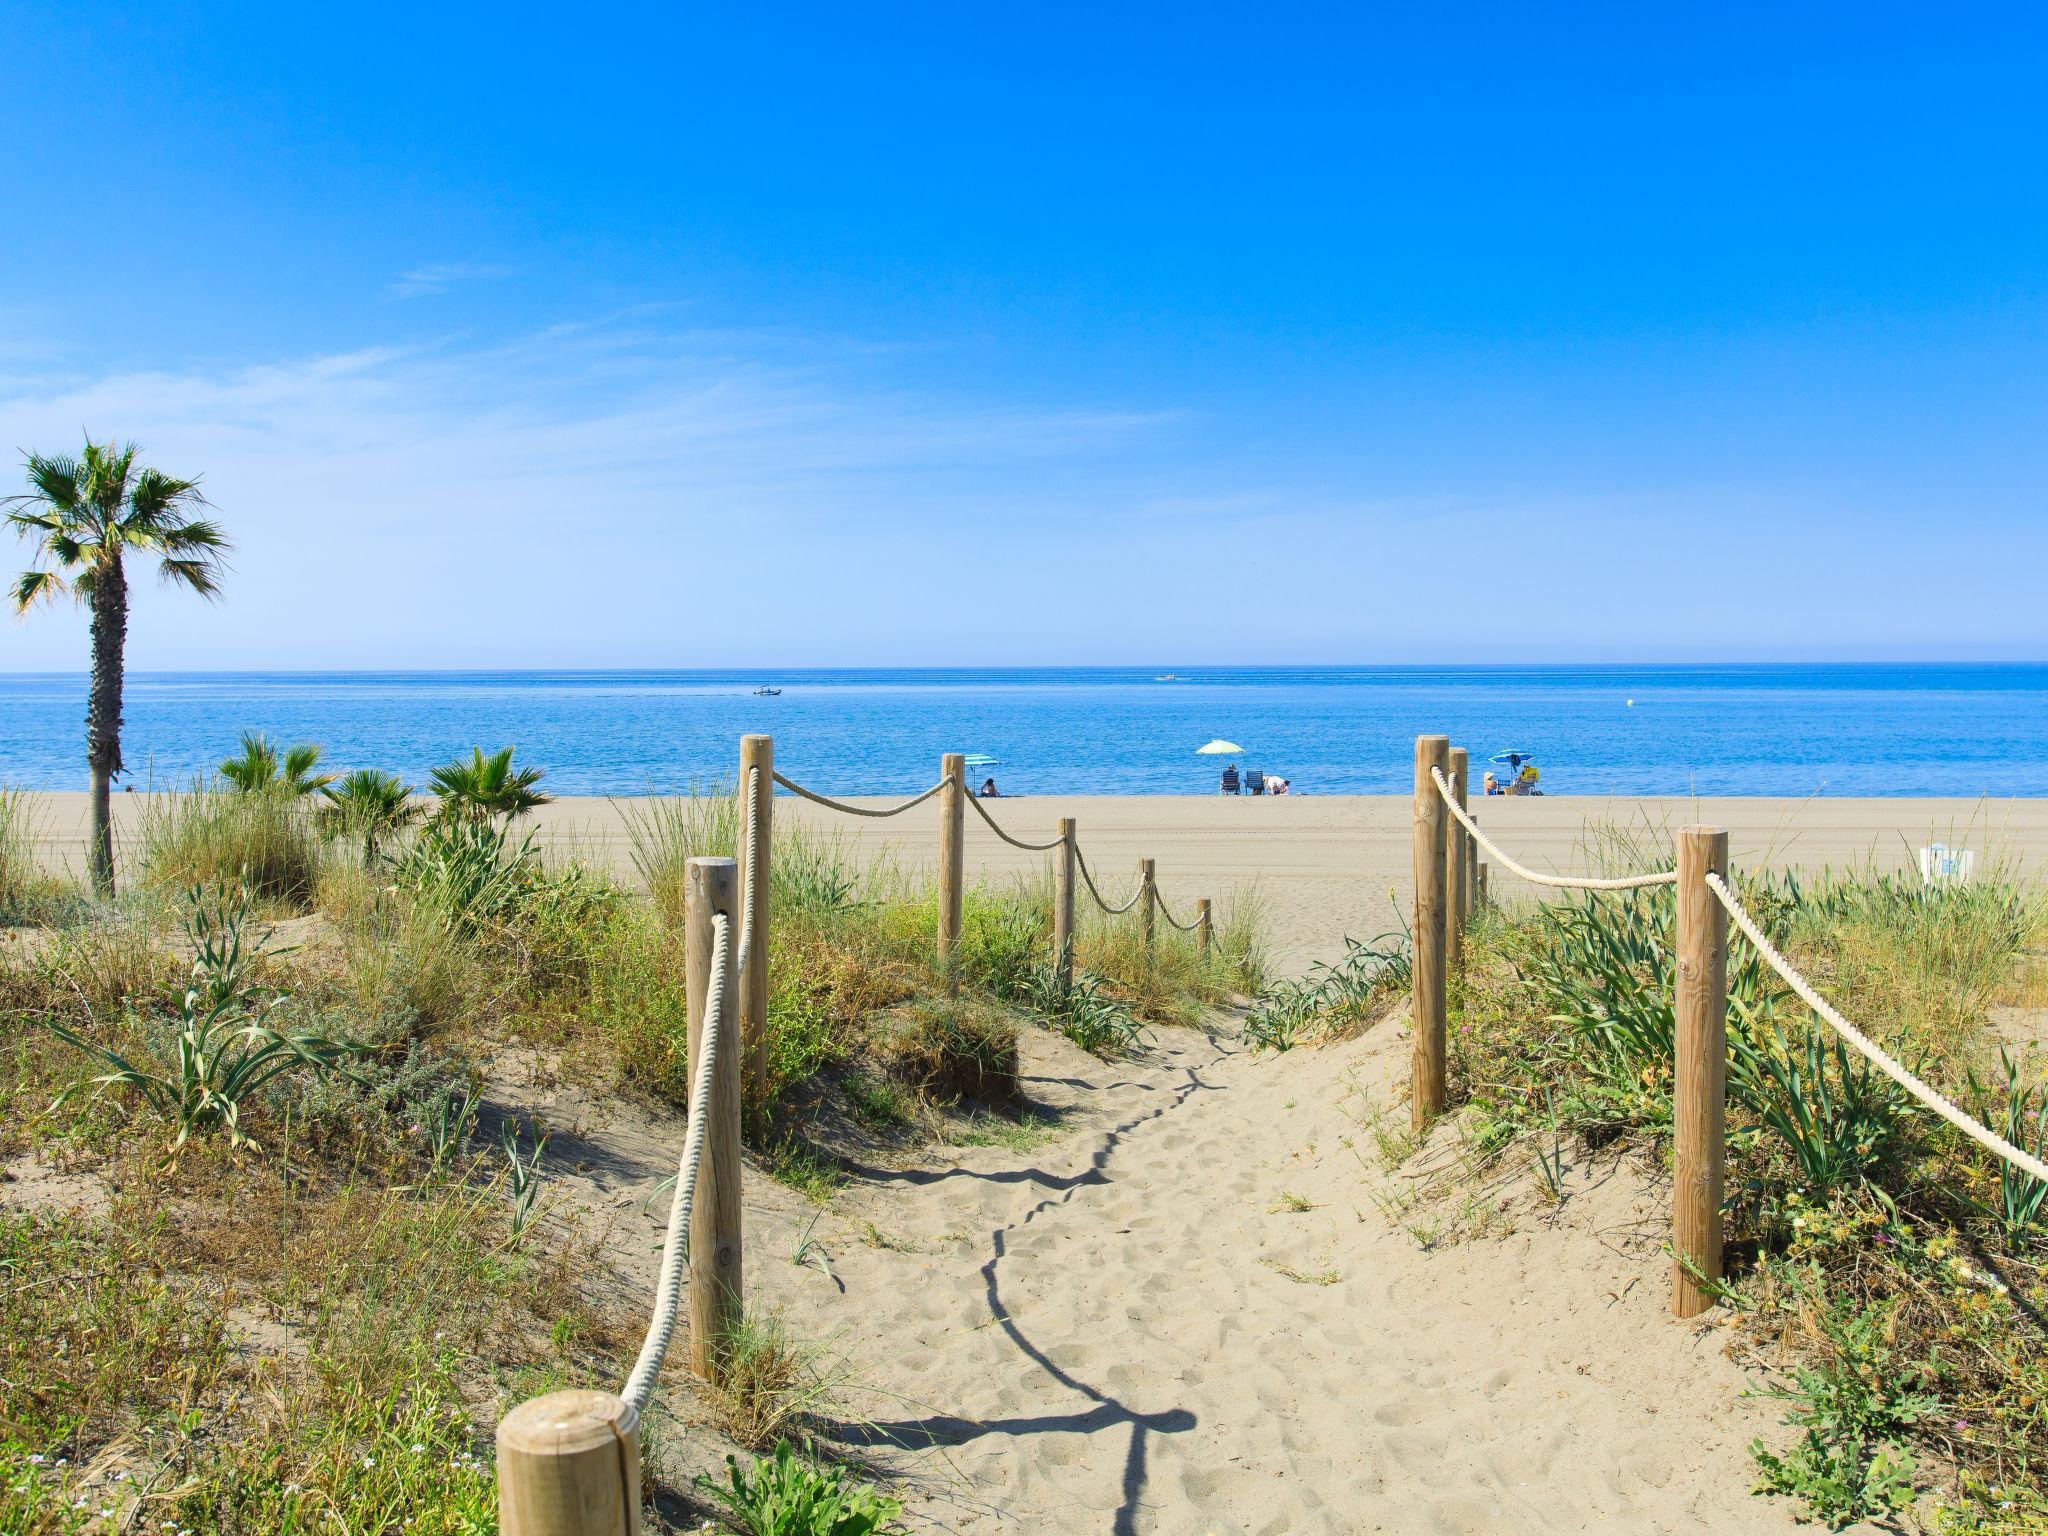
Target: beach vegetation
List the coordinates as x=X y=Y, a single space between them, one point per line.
x=212 y=834
x=1888 y=1268
x=1335 y=1000
x=368 y=806
x=260 y=768
x=28 y=892
x=485 y=788
x=343 y=1015
x=785 y=1495
x=84 y=517
x=223 y=1047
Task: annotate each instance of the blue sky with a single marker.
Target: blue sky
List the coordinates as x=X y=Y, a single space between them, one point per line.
x=546 y=336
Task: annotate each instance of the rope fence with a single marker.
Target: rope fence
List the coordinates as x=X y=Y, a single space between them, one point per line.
x=857 y=810
x=1446 y=838
x=1537 y=877
x=1930 y=1098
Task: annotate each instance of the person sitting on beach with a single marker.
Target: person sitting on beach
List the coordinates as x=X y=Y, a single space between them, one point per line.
x=1275 y=785
x=1230 y=778
x=988 y=790
x=1492 y=784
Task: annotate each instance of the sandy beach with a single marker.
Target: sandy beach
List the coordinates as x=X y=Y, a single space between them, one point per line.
x=1203 y=1300
x=1324 y=866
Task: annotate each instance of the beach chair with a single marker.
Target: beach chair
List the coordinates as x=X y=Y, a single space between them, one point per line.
x=1943 y=865
x=1229 y=781
x=1254 y=782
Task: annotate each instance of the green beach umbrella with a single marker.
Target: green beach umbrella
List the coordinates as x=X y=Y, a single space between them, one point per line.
x=1220 y=748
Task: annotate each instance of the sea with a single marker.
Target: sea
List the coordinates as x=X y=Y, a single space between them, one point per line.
x=1759 y=729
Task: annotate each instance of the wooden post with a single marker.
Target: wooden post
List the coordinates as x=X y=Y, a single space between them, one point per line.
x=1146 y=901
x=1063 y=903
x=756 y=752
x=1205 y=928
x=1456 y=899
x=1700 y=1091
x=1426 y=1086
x=1479 y=888
x=716 y=1301
x=569 y=1465
x=1475 y=893
x=952 y=863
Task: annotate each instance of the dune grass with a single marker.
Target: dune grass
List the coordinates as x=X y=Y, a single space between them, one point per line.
x=341 y=1304
x=210 y=833
x=1892 y=1269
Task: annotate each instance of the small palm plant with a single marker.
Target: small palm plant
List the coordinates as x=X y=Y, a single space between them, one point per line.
x=225 y=1050
x=259 y=767
x=481 y=788
x=369 y=805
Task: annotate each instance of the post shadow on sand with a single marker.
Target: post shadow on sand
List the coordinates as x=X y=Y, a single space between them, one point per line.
x=1108 y=1412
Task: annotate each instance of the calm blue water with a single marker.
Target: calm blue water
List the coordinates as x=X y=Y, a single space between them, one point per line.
x=1722 y=730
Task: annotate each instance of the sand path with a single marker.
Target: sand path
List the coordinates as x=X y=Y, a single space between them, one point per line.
x=1126 y=1329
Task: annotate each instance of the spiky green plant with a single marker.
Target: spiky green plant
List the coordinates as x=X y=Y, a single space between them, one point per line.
x=259 y=766
x=223 y=1048
x=84 y=517
x=369 y=805
x=480 y=788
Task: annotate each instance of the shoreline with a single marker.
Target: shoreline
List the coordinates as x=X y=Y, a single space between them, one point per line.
x=1325 y=866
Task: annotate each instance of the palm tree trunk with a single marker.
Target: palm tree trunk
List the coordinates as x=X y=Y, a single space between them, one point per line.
x=103 y=716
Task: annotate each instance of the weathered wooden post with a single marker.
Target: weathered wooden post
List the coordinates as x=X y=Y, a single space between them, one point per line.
x=952 y=863
x=1479 y=888
x=711 y=886
x=1205 y=928
x=1475 y=892
x=1063 y=903
x=1426 y=1089
x=1148 y=898
x=1700 y=1090
x=1456 y=898
x=756 y=753
x=569 y=1465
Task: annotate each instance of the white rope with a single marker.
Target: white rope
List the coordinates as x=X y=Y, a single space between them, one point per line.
x=1560 y=882
x=855 y=810
x=1014 y=842
x=1089 y=880
x=1982 y=1134
x=676 y=1245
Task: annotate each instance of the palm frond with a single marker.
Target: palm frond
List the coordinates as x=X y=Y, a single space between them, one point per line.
x=32 y=587
x=201 y=576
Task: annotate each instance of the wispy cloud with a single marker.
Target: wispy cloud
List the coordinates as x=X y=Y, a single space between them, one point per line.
x=601 y=491
x=438 y=277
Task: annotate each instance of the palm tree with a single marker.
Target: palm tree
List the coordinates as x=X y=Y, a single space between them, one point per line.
x=84 y=516
x=483 y=787
x=258 y=767
x=369 y=805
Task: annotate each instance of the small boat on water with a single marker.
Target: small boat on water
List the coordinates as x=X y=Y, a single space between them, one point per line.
x=1169 y=677
x=764 y=691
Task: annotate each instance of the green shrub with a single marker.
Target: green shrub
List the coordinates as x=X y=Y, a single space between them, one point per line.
x=1840 y=1118
x=786 y=1496
x=953 y=1049
x=1853 y=1408
x=1332 y=996
x=265 y=839
x=223 y=1048
x=1077 y=1005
